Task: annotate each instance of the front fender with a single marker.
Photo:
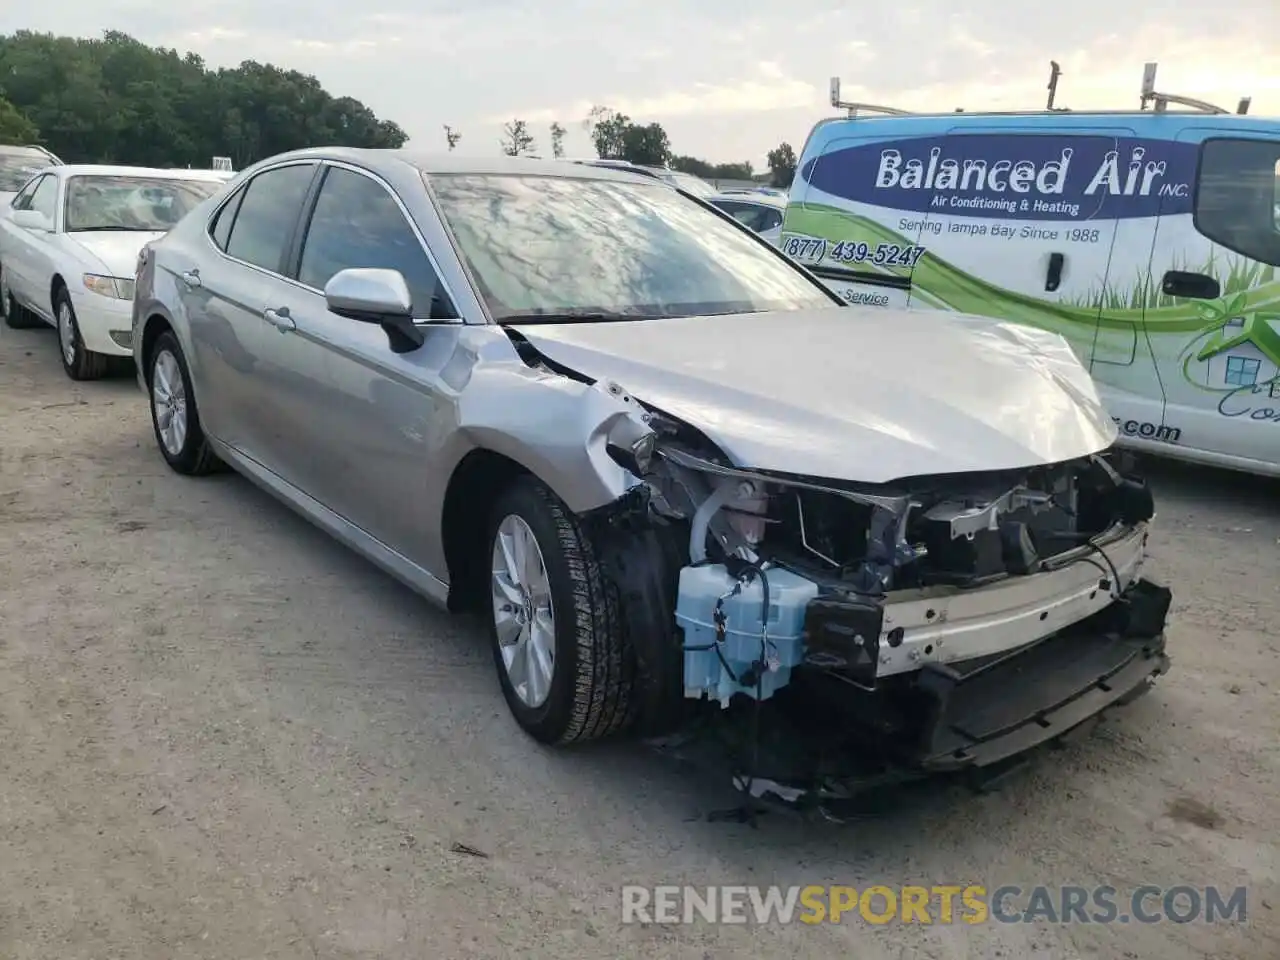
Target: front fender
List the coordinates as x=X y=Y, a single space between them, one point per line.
x=555 y=427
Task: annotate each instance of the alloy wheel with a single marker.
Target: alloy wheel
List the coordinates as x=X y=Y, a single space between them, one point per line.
x=523 y=615
x=169 y=400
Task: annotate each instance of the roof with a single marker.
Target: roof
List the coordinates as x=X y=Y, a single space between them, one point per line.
x=649 y=172
x=1077 y=122
x=1257 y=122
x=763 y=199
x=23 y=150
x=447 y=163
x=111 y=170
x=669 y=172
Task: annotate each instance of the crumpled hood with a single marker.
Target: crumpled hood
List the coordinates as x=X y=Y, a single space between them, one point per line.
x=117 y=249
x=858 y=395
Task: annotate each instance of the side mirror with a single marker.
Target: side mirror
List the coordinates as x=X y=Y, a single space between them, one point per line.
x=31 y=220
x=373 y=295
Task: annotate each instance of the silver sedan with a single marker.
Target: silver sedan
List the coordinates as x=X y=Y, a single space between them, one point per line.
x=664 y=462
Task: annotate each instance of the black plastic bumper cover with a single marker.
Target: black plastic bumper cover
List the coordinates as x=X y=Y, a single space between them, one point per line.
x=993 y=711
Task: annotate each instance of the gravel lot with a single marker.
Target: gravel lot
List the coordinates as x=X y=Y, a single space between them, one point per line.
x=223 y=735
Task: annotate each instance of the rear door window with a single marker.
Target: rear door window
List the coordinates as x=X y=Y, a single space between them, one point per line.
x=268 y=214
x=220 y=229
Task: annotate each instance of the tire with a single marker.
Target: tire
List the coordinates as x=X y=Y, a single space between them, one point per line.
x=589 y=695
x=78 y=362
x=187 y=449
x=16 y=317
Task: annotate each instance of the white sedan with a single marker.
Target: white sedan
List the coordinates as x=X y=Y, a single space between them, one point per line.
x=69 y=245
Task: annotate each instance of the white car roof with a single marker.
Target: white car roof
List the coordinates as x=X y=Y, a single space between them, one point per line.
x=24 y=150
x=111 y=170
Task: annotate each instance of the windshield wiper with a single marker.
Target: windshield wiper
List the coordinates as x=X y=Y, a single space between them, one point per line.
x=574 y=316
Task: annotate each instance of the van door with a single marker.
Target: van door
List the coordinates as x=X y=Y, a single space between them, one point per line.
x=1216 y=325
x=1010 y=227
x=1150 y=176
x=856 y=249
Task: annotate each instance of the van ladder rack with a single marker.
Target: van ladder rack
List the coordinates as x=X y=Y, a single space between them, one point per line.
x=1162 y=100
x=853 y=107
x=1149 y=98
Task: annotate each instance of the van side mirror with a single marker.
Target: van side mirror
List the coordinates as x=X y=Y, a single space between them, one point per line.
x=375 y=295
x=31 y=220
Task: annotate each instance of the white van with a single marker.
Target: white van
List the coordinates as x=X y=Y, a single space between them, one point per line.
x=1149 y=239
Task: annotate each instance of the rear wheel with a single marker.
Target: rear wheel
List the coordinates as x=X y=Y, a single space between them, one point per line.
x=15 y=316
x=173 y=411
x=558 y=640
x=79 y=362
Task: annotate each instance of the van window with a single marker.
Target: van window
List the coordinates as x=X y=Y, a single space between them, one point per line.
x=1238 y=197
x=1277 y=207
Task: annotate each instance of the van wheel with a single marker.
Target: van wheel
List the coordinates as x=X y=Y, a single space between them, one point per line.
x=15 y=316
x=78 y=362
x=558 y=640
x=173 y=411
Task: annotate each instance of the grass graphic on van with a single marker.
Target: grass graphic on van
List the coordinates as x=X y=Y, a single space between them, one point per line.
x=1241 y=276
x=1249 y=289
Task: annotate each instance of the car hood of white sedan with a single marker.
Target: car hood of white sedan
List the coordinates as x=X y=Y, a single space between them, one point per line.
x=842 y=393
x=117 y=249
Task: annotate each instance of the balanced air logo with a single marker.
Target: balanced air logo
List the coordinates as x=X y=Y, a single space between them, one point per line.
x=1049 y=177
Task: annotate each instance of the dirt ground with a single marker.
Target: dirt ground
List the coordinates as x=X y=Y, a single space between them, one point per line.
x=223 y=735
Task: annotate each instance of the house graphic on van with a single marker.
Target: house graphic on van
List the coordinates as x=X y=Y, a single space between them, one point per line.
x=1243 y=352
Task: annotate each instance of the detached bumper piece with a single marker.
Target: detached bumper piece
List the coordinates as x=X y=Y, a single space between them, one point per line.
x=982 y=714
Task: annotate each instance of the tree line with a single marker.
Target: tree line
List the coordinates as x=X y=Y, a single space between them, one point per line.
x=114 y=99
x=617 y=137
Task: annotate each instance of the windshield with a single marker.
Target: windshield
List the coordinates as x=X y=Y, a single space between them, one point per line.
x=601 y=249
x=17 y=168
x=102 y=202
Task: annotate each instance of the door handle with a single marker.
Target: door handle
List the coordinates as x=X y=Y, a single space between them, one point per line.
x=1053 y=276
x=1197 y=286
x=191 y=278
x=279 y=319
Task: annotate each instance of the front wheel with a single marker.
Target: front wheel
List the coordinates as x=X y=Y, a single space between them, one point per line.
x=173 y=411
x=558 y=640
x=79 y=362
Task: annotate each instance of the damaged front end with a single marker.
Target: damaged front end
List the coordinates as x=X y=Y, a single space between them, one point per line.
x=933 y=624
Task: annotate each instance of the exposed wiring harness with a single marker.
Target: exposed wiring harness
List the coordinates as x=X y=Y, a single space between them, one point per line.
x=1115 y=573
x=1111 y=574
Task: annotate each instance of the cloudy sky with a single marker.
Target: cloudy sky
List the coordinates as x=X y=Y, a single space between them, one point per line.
x=728 y=81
